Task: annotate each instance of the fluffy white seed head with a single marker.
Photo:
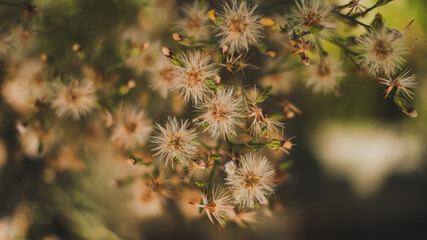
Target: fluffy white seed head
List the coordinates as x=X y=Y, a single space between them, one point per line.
x=252 y=181
x=76 y=99
x=223 y=113
x=381 y=52
x=239 y=26
x=308 y=14
x=218 y=204
x=325 y=74
x=163 y=76
x=193 y=21
x=175 y=142
x=132 y=128
x=197 y=67
x=32 y=77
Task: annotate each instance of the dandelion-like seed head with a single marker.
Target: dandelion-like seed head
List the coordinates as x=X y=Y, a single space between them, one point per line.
x=218 y=205
x=312 y=14
x=75 y=99
x=403 y=83
x=193 y=21
x=381 y=52
x=33 y=79
x=163 y=77
x=132 y=129
x=222 y=113
x=175 y=142
x=197 y=67
x=325 y=74
x=239 y=27
x=252 y=181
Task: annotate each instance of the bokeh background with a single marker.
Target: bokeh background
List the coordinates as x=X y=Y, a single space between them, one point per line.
x=358 y=171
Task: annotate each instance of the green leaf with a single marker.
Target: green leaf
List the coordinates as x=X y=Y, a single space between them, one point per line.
x=378 y=22
x=211 y=84
x=264 y=95
x=135 y=52
x=136 y=160
x=382 y=3
x=200 y=183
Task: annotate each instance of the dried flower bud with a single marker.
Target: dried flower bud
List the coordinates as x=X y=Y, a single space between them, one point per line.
x=268 y=22
x=167 y=52
x=76 y=47
x=177 y=37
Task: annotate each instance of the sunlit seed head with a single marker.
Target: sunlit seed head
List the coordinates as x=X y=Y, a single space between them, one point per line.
x=197 y=67
x=240 y=26
x=381 y=52
x=217 y=205
x=175 y=141
x=312 y=14
x=223 y=113
x=76 y=99
x=252 y=181
x=404 y=84
x=132 y=128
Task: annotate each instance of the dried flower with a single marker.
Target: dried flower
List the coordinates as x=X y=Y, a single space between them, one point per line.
x=252 y=181
x=197 y=68
x=312 y=14
x=218 y=205
x=381 y=52
x=33 y=79
x=175 y=142
x=260 y=123
x=230 y=167
x=75 y=99
x=132 y=128
x=243 y=217
x=325 y=74
x=403 y=84
x=163 y=77
x=193 y=21
x=222 y=113
x=239 y=27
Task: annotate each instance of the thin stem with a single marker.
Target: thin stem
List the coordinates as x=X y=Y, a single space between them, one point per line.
x=354 y=21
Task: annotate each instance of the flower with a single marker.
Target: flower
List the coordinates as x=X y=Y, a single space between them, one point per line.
x=217 y=205
x=325 y=74
x=260 y=123
x=132 y=129
x=239 y=27
x=309 y=14
x=33 y=79
x=163 y=77
x=175 y=142
x=252 y=181
x=222 y=113
x=243 y=217
x=230 y=167
x=403 y=83
x=193 y=21
x=381 y=52
x=197 y=67
x=75 y=99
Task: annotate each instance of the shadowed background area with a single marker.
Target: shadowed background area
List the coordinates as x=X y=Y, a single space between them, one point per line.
x=358 y=169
